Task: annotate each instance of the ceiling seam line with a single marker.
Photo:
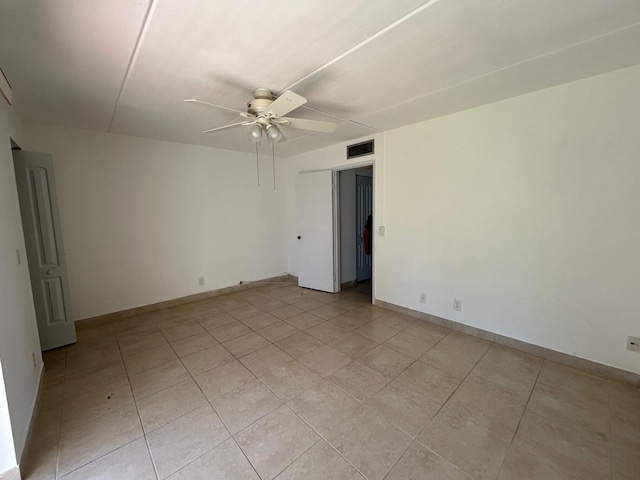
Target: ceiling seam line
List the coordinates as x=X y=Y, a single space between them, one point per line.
x=493 y=72
x=389 y=27
x=134 y=57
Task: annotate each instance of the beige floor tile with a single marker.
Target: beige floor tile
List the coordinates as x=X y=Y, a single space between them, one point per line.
x=278 y=331
x=503 y=383
x=359 y=381
x=386 y=361
x=465 y=346
x=328 y=332
x=88 y=381
x=242 y=407
x=409 y=345
x=354 y=345
x=376 y=332
x=329 y=311
x=429 y=381
x=625 y=431
x=205 y=360
x=543 y=449
x=91 y=440
x=229 y=331
x=485 y=408
x=210 y=323
x=245 y=312
x=265 y=360
x=575 y=383
x=244 y=345
x=275 y=441
x=260 y=320
x=228 y=303
x=625 y=463
x=290 y=380
x=139 y=343
x=407 y=410
x=305 y=321
x=476 y=450
x=149 y=359
x=324 y=406
x=308 y=304
x=428 y=332
x=565 y=407
x=224 y=379
x=177 y=444
x=169 y=404
x=625 y=400
x=183 y=330
x=394 y=320
x=40 y=462
x=299 y=344
x=370 y=443
x=288 y=311
x=420 y=463
x=95 y=403
x=88 y=361
x=510 y=360
x=156 y=379
x=272 y=304
x=131 y=461
x=320 y=462
x=348 y=321
x=448 y=361
x=325 y=360
x=225 y=462
x=195 y=343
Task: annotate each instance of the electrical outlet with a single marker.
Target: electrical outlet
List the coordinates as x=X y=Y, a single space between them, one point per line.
x=457 y=304
x=33 y=358
x=423 y=298
x=200 y=281
x=633 y=344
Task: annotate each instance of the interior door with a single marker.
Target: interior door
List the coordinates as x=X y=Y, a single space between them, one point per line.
x=314 y=195
x=45 y=251
x=364 y=208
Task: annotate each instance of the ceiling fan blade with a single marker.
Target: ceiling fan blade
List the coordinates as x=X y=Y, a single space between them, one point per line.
x=304 y=124
x=237 y=112
x=285 y=103
x=226 y=127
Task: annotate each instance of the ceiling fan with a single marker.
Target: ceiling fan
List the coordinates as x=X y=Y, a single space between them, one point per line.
x=265 y=115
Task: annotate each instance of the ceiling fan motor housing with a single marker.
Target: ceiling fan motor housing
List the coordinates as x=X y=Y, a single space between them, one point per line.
x=262 y=98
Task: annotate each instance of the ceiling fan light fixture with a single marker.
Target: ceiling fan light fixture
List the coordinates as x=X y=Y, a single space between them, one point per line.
x=273 y=133
x=256 y=133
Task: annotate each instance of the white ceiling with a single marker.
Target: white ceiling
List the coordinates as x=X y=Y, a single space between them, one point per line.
x=125 y=66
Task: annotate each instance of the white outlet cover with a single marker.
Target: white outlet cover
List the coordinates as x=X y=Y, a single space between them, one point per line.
x=423 y=298
x=457 y=304
x=633 y=344
x=381 y=230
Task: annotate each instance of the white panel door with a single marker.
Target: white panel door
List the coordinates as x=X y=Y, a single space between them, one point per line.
x=314 y=193
x=45 y=252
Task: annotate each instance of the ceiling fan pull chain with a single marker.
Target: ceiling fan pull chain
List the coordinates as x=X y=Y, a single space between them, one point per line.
x=273 y=158
x=257 y=165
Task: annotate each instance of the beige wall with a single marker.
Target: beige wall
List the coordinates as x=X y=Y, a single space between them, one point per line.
x=527 y=211
x=18 y=332
x=143 y=219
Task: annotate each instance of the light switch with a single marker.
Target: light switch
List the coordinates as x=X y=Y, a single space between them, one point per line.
x=18 y=256
x=381 y=230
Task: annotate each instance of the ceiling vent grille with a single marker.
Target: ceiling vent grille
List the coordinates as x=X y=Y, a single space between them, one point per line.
x=360 y=149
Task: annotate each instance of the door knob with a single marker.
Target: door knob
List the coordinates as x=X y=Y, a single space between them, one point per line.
x=49 y=272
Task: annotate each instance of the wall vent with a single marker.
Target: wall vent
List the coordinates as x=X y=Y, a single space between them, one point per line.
x=360 y=149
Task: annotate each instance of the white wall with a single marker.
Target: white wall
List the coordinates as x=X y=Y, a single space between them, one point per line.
x=528 y=211
x=334 y=157
x=348 y=264
x=143 y=219
x=18 y=331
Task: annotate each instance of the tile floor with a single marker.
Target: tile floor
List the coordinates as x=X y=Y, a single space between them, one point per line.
x=287 y=383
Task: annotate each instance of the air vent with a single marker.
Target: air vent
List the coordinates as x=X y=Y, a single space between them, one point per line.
x=360 y=149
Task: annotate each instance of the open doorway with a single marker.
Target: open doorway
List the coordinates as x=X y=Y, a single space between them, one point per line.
x=355 y=208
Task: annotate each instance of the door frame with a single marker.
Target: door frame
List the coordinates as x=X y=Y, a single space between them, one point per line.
x=336 y=223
